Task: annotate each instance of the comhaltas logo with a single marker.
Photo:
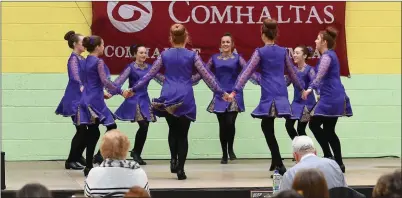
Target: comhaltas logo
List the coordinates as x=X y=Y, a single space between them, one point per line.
x=124 y=16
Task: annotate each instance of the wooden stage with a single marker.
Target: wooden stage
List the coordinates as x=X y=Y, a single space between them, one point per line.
x=202 y=174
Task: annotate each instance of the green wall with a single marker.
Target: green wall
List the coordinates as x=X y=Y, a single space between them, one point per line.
x=31 y=130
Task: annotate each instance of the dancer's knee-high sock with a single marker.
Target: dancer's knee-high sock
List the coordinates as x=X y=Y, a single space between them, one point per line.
x=289 y=125
x=141 y=137
x=315 y=127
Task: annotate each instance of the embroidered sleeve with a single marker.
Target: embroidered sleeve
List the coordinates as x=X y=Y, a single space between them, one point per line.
x=197 y=77
x=207 y=75
x=255 y=77
x=287 y=80
x=109 y=86
x=311 y=76
x=156 y=66
x=292 y=74
x=119 y=81
x=74 y=65
x=248 y=70
x=159 y=78
x=323 y=67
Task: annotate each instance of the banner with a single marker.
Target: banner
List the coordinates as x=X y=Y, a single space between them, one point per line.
x=122 y=24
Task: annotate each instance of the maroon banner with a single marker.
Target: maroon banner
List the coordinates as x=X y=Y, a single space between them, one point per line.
x=122 y=24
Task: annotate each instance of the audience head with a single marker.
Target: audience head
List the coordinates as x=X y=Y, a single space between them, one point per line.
x=302 y=145
x=326 y=39
x=74 y=41
x=94 y=44
x=389 y=186
x=115 y=145
x=178 y=35
x=288 y=194
x=302 y=53
x=34 y=190
x=139 y=52
x=311 y=183
x=136 y=191
x=269 y=30
x=227 y=43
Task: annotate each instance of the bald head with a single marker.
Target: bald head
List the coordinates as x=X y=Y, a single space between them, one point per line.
x=302 y=145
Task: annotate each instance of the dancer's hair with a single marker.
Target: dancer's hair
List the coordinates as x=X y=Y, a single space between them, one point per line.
x=91 y=42
x=71 y=37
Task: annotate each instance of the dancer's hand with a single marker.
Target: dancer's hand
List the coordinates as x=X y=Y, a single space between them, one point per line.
x=82 y=88
x=107 y=95
x=127 y=94
x=305 y=94
x=226 y=97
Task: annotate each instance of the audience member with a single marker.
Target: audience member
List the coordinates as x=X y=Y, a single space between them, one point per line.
x=389 y=186
x=137 y=191
x=311 y=183
x=304 y=153
x=34 y=190
x=288 y=194
x=115 y=175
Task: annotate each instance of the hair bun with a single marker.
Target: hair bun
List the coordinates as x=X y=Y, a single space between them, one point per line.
x=331 y=31
x=270 y=24
x=178 y=30
x=69 y=35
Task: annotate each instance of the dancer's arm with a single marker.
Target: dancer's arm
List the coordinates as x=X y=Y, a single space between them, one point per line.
x=323 y=67
x=292 y=73
x=255 y=77
x=109 y=86
x=248 y=70
x=119 y=81
x=74 y=64
x=197 y=77
x=156 y=66
x=207 y=75
x=312 y=76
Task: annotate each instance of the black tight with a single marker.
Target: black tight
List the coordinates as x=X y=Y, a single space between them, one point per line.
x=267 y=126
x=227 y=130
x=91 y=138
x=141 y=137
x=290 y=128
x=326 y=136
x=77 y=144
x=178 y=138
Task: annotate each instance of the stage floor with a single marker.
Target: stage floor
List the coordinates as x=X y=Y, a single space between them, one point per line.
x=201 y=173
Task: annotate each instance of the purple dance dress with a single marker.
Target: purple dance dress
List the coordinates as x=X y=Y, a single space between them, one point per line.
x=177 y=94
x=272 y=60
x=301 y=108
x=69 y=103
x=226 y=71
x=333 y=100
x=138 y=107
x=92 y=107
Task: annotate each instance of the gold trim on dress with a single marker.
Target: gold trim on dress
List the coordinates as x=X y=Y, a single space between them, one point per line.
x=305 y=115
x=142 y=66
x=171 y=109
x=272 y=111
x=138 y=115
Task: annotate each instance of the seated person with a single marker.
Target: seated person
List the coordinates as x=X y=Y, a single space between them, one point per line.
x=115 y=175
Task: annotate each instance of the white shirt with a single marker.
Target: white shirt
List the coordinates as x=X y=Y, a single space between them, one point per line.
x=102 y=181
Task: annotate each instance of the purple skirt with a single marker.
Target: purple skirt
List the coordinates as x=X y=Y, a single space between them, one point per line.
x=218 y=105
x=278 y=107
x=136 y=108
